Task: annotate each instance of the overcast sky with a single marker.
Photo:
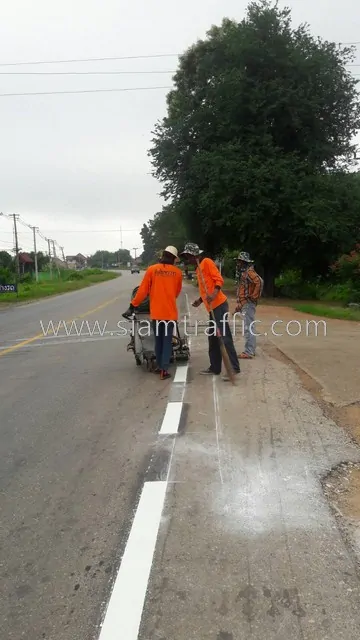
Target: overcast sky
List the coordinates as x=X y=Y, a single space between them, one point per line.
x=76 y=165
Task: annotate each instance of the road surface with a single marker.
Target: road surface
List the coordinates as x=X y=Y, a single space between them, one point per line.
x=133 y=508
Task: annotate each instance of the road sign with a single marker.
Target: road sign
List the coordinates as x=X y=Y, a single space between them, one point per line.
x=8 y=288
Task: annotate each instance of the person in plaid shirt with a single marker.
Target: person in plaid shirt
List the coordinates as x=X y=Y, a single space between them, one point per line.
x=248 y=294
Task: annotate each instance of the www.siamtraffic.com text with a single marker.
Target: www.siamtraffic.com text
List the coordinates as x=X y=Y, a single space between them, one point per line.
x=145 y=328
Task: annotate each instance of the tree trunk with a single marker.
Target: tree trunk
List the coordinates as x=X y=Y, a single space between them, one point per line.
x=269 y=281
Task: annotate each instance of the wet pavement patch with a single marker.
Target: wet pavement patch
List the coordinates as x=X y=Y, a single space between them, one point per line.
x=183 y=419
x=159 y=462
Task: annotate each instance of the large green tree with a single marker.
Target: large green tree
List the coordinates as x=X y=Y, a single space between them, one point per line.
x=6 y=260
x=257 y=141
x=166 y=228
x=105 y=259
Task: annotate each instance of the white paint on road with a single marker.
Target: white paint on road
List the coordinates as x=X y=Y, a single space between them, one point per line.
x=181 y=374
x=171 y=421
x=123 y=615
x=218 y=427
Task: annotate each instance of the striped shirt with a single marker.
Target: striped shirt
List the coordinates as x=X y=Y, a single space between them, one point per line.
x=249 y=287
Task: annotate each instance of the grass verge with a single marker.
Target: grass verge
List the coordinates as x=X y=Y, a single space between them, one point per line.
x=327 y=311
x=35 y=291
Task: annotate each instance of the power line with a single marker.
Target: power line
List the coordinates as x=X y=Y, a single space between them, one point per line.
x=104 y=59
x=81 y=73
x=90 y=230
x=51 y=93
x=139 y=57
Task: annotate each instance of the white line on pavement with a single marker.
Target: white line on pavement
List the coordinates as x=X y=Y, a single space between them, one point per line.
x=181 y=374
x=123 y=614
x=171 y=421
x=217 y=425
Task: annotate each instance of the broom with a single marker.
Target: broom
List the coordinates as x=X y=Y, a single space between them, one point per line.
x=224 y=353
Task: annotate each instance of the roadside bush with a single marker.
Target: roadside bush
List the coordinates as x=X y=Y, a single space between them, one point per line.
x=26 y=278
x=347 y=268
x=229 y=267
x=76 y=275
x=291 y=285
x=6 y=276
x=340 y=293
x=92 y=272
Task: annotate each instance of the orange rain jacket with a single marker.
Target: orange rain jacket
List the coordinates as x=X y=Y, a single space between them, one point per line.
x=163 y=284
x=213 y=278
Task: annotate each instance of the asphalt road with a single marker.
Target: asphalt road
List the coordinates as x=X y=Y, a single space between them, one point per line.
x=205 y=524
x=78 y=421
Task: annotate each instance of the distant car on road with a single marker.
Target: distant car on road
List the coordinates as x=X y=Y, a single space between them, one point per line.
x=135 y=269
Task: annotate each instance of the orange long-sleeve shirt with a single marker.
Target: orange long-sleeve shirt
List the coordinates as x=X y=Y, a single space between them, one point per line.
x=212 y=278
x=163 y=284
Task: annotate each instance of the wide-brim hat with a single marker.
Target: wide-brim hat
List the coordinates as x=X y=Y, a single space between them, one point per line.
x=243 y=256
x=172 y=250
x=191 y=249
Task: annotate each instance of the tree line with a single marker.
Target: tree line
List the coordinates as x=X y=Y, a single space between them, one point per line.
x=256 y=151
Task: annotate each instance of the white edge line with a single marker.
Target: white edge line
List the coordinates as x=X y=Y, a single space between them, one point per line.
x=217 y=426
x=171 y=420
x=124 y=611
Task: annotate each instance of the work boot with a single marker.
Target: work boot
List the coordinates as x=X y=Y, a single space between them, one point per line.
x=164 y=374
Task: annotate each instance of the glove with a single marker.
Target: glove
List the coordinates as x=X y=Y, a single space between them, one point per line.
x=129 y=312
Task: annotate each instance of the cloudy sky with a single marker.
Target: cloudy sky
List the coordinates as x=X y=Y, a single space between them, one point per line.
x=76 y=165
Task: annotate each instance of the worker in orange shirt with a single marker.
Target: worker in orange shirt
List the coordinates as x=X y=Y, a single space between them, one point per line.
x=220 y=306
x=162 y=283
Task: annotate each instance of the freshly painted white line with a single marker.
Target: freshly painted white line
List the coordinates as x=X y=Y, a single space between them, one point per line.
x=170 y=461
x=181 y=373
x=123 y=615
x=171 y=421
x=217 y=426
x=187 y=304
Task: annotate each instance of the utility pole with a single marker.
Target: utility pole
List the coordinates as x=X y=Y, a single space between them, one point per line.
x=16 y=245
x=63 y=255
x=55 y=256
x=121 y=240
x=35 y=229
x=50 y=262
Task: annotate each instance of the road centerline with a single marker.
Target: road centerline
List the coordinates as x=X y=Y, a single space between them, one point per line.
x=39 y=336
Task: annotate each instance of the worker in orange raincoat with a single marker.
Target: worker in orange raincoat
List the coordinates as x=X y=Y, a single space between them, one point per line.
x=162 y=283
x=214 y=296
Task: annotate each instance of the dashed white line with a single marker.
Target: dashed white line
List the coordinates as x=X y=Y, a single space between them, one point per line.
x=171 y=420
x=123 y=614
x=181 y=374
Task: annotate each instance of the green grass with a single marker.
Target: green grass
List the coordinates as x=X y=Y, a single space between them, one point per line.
x=327 y=311
x=34 y=291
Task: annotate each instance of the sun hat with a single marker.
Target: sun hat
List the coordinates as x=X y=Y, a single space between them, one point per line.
x=172 y=250
x=191 y=249
x=244 y=256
